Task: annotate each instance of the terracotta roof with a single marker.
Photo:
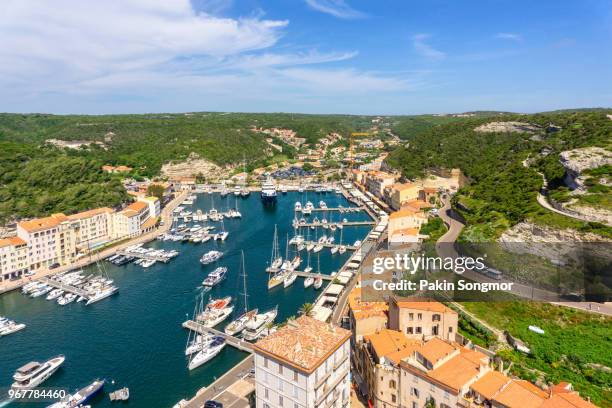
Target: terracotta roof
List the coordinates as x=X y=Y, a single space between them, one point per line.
x=459 y=370
x=404 y=186
x=405 y=231
x=436 y=349
x=521 y=394
x=90 y=213
x=150 y=222
x=424 y=304
x=135 y=208
x=14 y=241
x=567 y=400
x=403 y=212
x=38 y=224
x=416 y=205
x=363 y=310
x=490 y=384
x=303 y=343
x=392 y=344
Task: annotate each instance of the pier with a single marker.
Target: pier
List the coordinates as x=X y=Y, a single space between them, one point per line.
x=149 y=257
x=344 y=224
x=340 y=209
x=64 y=287
x=314 y=275
x=326 y=245
x=231 y=340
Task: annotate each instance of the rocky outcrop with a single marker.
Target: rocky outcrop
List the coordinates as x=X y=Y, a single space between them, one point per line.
x=194 y=166
x=578 y=160
x=508 y=127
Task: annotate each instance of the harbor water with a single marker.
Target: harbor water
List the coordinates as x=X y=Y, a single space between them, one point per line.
x=135 y=338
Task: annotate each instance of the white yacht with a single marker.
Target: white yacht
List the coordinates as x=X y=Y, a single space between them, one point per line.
x=54 y=294
x=10 y=327
x=207 y=353
x=34 y=373
x=102 y=294
x=200 y=342
x=290 y=277
x=308 y=281
x=256 y=326
x=238 y=325
x=210 y=257
x=215 y=277
x=318 y=282
x=297 y=206
x=323 y=205
x=66 y=299
x=216 y=312
x=268 y=192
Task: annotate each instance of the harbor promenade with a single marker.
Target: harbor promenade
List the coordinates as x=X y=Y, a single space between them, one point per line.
x=230 y=340
x=166 y=217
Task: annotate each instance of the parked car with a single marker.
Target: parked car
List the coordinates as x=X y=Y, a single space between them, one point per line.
x=213 y=404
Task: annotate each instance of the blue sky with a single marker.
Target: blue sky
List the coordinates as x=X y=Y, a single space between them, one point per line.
x=313 y=56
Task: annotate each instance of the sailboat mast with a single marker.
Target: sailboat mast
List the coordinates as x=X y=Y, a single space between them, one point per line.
x=246 y=296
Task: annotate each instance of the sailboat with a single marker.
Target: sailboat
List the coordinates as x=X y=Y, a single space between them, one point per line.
x=318 y=282
x=275 y=259
x=196 y=341
x=308 y=268
x=222 y=236
x=237 y=325
x=342 y=247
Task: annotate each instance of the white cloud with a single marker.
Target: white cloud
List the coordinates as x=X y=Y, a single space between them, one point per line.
x=336 y=8
x=509 y=36
x=419 y=42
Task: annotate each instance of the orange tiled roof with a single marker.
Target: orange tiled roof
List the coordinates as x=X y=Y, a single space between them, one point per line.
x=90 y=213
x=136 y=207
x=567 y=400
x=459 y=370
x=149 y=223
x=416 y=205
x=521 y=394
x=14 y=241
x=303 y=343
x=436 y=349
x=426 y=305
x=38 y=224
x=402 y=212
x=405 y=231
x=490 y=384
x=392 y=344
x=363 y=310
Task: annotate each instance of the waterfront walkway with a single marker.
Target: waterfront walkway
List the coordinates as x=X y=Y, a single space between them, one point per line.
x=340 y=209
x=344 y=224
x=166 y=216
x=326 y=245
x=231 y=340
x=64 y=287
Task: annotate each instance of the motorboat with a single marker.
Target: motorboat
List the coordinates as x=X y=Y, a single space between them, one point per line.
x=290 y=277
x=317 y=248
x=81 y=396
x=215 y=277
x=216 y=312
x=34 y=373
x=206 y=354
x=322 y=205
x=297 y=206
x=318 y=282
x=334 y=249
x=342 y=249
x=102 y=294
x=357 y=243
x=10 y=327
x=257 y=325
x=308 y=282
x=238 y=325
x=54 y=294
x=66 y=299
x=268 y=192
x=210 y=257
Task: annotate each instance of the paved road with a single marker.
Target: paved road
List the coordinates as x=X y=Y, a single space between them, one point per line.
x=166 y=216
x=444 y=248
x=216 y=390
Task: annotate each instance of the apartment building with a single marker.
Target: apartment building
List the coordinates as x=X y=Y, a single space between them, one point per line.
x=154 y=205
x=305 y=364
x=377 y=181
x=129 y=221
x=422 y=319
x=404 y=225
x=92 y=228
x=365 y=317
x=50 y=240
x=398 y=194
x=13 y=258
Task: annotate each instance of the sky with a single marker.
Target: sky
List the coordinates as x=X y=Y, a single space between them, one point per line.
x=310 y=56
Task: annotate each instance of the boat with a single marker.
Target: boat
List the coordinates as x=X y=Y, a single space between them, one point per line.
x=102 y=294
x=297 y=206
x=148 y=263
x=210 y=257
x=323 y=205
x=256 y=326
x=341 y=249
x=290 y=277
x=42 y=291
x=122 y=394
x=66 y=299
x=81 y=396
x=215 y=312
x=237 y=190
x=310 y=246
x=308 y=281
x=199 y=342
x=54 y=294
x=215 y=277
x=237 y=325
x=10 y=327
x=296 y=240
x=318 y=282
x=357 y=243
x=275 y=259
x=317 y=248
x=207 y=353
x=221 y=236
x=334 y=249
x=283 y=189
x=276 y=279
x=268 y=192
x=34 y=373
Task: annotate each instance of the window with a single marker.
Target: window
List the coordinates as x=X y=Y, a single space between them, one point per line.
x=393 y=398
x=414 y=392
x=392 y=384
x=266 y=393
x=280 y=369
x=418 y=330
x=265 y=362
x=295 y=376
x=450 y=329
x=409 y=330
x=280 y=400
x=435 y=317
x=420 y=316
x=410 y=316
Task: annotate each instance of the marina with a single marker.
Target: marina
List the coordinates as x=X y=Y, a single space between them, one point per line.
x=148 y=314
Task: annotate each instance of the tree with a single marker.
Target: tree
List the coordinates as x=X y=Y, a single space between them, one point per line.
x=306 y=309
x=156 y=190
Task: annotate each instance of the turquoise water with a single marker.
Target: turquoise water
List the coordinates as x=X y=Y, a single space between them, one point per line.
x=135 y=338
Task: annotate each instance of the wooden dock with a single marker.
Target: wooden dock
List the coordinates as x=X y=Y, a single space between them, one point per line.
x=344 y=224
x=64 y=287
x=158 y=258
x=314 y=275
x=231 y=340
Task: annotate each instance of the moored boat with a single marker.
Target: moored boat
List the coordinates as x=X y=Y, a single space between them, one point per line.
x=34 y=373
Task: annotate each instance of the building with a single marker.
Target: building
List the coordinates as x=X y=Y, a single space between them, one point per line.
x=129 y=221
x=305 y=365
x=50 y=240
x=92 y=228
x=422 y=319
x=365 y=317
x=377 y=181
x=399 y=193
x=404 y=225
x=154 y=206
x=440 y=372
x=13 y=258
x=381 y=354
